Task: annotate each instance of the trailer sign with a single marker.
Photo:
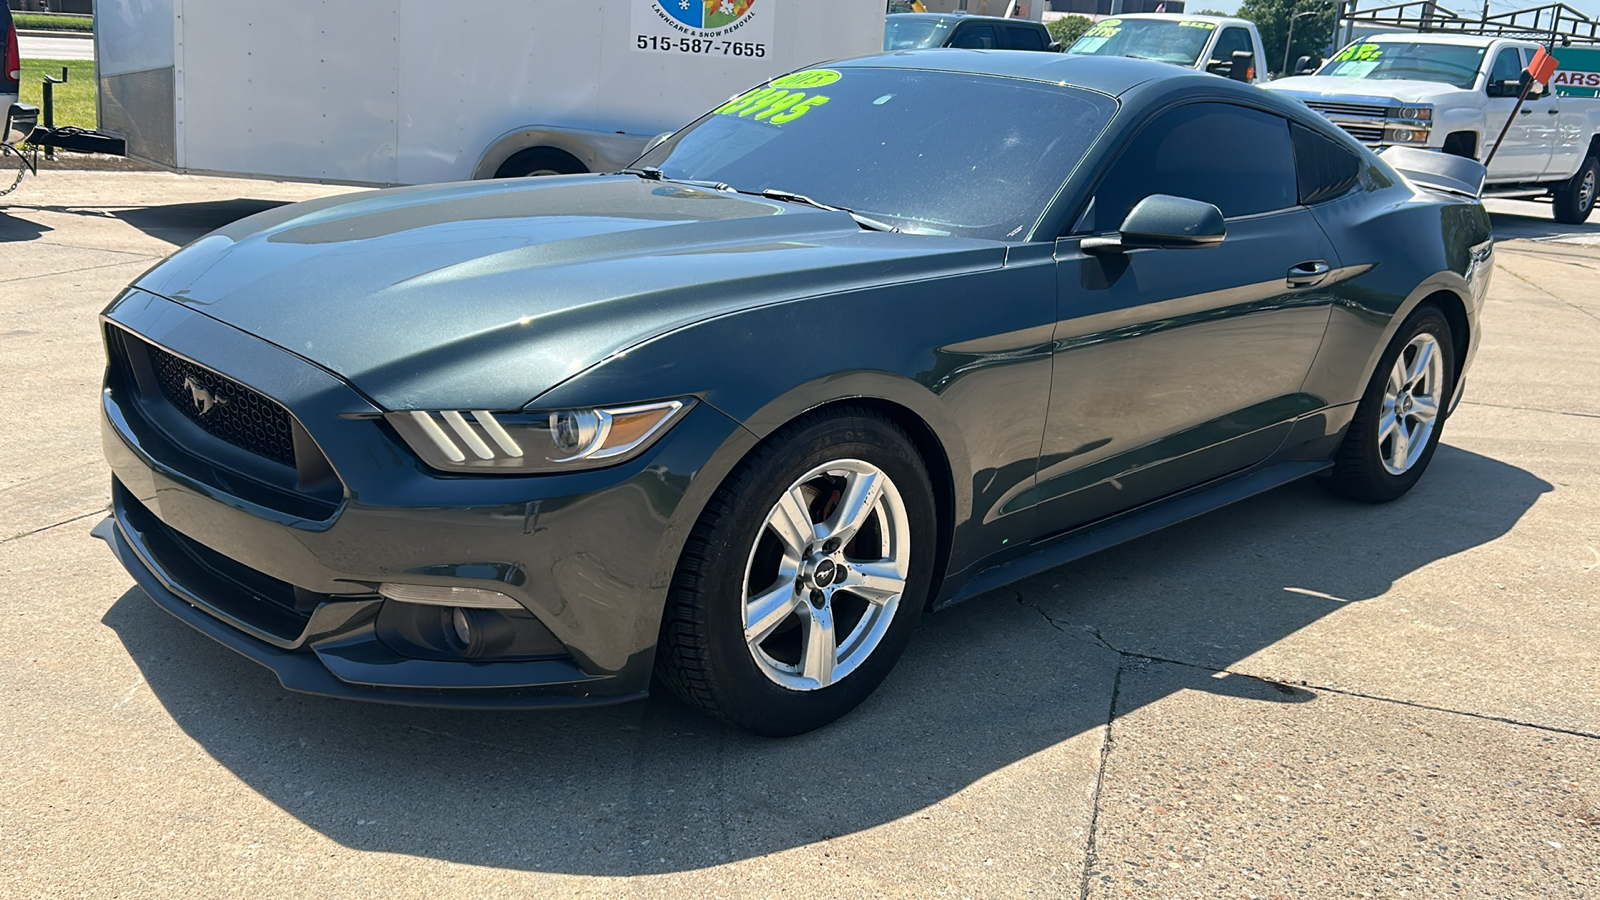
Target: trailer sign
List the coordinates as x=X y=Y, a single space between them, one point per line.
x=1579 y=75
x=703 y=27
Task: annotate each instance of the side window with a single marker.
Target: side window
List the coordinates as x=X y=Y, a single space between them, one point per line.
x=975 y=37
x=1239 y=159
x=1024 y=38
x=1323 y=169
x=1221 y=62
x=1507 y=67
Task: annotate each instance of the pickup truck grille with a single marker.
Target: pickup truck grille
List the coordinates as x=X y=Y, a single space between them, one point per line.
x=1348 y=109
x=1366 y=134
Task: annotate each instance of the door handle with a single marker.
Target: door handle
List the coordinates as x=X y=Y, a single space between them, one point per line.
x=1527 y=112
x=1553 y=111
x=1309 y=274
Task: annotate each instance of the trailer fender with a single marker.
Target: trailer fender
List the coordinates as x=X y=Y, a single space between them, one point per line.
x=597 y=151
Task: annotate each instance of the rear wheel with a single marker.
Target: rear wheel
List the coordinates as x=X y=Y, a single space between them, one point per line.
x=540 y=161
x=1575 y=197
x=1397 y=424
x=804 y=578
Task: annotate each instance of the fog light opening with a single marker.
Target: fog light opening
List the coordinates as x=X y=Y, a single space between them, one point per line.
x=467 y=630
x=462 y=626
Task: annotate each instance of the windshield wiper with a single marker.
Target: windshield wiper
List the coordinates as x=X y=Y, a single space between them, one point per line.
x=651 y=173
x=792 y=197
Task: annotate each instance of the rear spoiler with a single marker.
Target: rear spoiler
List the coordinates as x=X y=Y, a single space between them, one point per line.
x=1437 y=171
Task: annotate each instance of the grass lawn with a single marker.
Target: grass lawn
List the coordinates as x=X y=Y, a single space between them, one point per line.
x=74 y=100
x=53 y=23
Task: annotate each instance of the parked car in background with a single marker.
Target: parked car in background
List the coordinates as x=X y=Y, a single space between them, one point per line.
x=1453 y=93
x=1217 y=44
x=919 y=31
x=733 y=417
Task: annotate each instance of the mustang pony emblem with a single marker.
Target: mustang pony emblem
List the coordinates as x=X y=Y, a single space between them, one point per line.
x=204 y=400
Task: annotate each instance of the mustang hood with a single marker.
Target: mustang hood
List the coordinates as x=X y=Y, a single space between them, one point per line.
x=488 y=294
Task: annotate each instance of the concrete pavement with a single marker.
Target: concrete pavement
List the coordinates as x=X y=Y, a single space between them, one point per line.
x=1296 y=696
x=55 y=45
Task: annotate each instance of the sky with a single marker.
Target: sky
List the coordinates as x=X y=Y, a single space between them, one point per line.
x=1590 y=8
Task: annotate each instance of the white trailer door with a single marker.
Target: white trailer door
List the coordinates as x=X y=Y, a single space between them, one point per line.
x=295 y=88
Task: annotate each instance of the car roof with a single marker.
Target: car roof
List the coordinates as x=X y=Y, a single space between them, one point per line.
x=1460 y=40
x=1112 y=75
x=960 y=17
x=1184 y=17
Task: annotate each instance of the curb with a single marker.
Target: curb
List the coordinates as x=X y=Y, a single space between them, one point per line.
x=52 y=33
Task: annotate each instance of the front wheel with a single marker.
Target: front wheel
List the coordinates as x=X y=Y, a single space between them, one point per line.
x=801 y=584
x=1398 y=421
x=1574 y=198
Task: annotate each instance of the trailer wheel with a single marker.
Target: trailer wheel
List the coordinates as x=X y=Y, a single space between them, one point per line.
x=540 y=161
x=1574 y=198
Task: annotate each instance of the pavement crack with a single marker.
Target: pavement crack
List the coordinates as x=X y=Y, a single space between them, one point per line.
x=1553 y=412
x=126 y=262
x=1090 y=851
x=17 y=537
x=1548 y=293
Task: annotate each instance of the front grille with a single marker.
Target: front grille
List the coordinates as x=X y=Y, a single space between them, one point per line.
x=1366 y=134
x=224 y=408
x=1347 y=109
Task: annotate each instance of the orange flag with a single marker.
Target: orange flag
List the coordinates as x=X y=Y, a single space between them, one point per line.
x=1543 y=66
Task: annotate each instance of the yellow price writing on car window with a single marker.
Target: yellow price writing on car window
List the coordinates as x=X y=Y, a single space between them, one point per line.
x=1208 y=26
x=1104 y=28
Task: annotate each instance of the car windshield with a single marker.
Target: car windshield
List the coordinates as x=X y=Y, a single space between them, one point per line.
x=1178 y=41
x=930 y=152
x=914 y=34
x=1410 y=60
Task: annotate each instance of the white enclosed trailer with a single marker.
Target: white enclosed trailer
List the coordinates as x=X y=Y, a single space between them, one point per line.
x=417 y=91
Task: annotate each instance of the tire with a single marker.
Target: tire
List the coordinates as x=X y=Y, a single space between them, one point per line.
x=829 y=637
x=540 y=161
x=1574 y=198
x=1377 y=463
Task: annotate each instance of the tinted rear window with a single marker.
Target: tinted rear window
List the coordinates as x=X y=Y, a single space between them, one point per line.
x=974 y=155
x=1025 y=38
x=1324 y=169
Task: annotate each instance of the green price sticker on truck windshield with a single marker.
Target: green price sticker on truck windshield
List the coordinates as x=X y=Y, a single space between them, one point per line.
x=779 y=102
x=1359 y=53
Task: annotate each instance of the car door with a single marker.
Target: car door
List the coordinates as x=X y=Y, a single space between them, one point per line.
x=973 y=36
x=1024 y=37
x=1221 y=60
x=1525 y=150
x=1562 y=145
x=1173 y=367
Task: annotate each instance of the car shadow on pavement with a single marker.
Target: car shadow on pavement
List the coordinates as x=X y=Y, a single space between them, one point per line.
x=1512 y=226
x=14 y=230
x=174 y=223
x=654 y=787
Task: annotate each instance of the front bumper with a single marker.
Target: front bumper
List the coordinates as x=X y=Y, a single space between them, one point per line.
x=588 y=556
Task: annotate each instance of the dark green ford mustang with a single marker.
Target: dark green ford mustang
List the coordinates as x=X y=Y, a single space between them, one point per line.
x=868 y=340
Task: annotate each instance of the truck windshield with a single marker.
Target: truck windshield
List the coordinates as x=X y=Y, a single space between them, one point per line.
x=1178 y=41
x=1450 y=64
x=914 y=34
x=930 y=152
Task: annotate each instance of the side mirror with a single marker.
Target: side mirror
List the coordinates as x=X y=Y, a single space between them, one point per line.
x=1163 y=222
x=1055 y=47
x=1508 y=88
x=1244 y=66
x=1303 y=66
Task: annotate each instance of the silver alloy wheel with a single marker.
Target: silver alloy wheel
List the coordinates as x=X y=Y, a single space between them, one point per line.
x=1586 y=190
x=1411 y=404
x=825 y=576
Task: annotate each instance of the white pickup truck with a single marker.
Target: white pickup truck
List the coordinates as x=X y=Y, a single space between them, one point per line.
x=1453 y=93
x=1217 y=44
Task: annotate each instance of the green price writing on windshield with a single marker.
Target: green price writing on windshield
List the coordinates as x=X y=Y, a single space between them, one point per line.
x=778 y=105
x=1360 y=52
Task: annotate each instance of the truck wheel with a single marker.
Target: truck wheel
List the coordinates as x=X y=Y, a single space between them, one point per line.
x=1574 y=198
x=540 y=161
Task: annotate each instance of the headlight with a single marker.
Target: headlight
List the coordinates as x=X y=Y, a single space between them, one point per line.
x=520 y=443
x=1407 y=135
x=1413 y=113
